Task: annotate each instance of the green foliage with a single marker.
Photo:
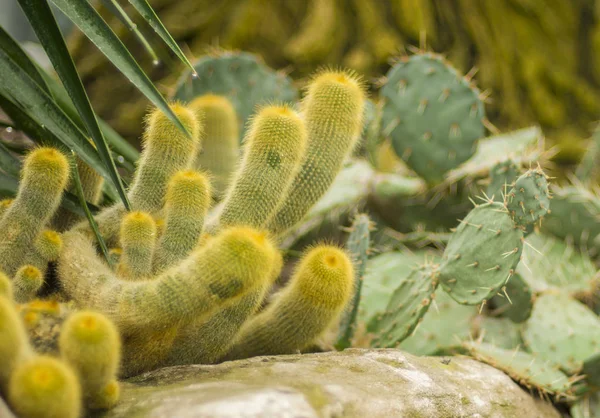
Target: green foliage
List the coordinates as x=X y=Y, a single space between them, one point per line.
x=515 y=300
x=433 y=115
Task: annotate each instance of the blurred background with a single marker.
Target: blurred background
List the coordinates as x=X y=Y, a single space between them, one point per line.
x=535 y=57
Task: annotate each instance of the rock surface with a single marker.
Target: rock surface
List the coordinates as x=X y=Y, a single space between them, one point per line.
x=353 y=384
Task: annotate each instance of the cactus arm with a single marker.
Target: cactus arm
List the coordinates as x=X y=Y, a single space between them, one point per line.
x=33 y=207
x=186 y=206
x=333 y=111
x=138 y=240
x=274 y=148
x=315 y=298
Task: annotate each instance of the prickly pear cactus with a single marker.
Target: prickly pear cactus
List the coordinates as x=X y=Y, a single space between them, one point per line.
x=574 y=217
x=433 y=115
x=444 y=328
x=528 y=370
x=587 y=407
x=502 y=175
x=240 y=76
x=591 y=370
x=384 y=273
x=407 y=306
x=529 y=198
x=501 y=332
x=481 y=255
x=551 y=263
x=514 y=301
x=358 y=247
x=562 y=331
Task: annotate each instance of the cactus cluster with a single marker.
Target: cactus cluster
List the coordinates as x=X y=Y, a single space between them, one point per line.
x=457 y=248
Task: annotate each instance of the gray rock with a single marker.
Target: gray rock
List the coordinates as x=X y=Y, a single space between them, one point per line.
x=354 y=384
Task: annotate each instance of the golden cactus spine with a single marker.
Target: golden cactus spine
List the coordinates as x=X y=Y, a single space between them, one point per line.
x=333 y=109
x=274 y=148
x=36 y=202
x=138 y=241
x=315 y=298
x=220 y=146
x=186 y=205
x=44 y=387
x=91 y=345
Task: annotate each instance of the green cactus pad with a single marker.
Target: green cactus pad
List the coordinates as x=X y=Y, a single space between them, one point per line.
x=526 y=369
x=433 y=115
x=575 y=216
x=444 y=328
x=502 y=175
x=562 y=331
x=384 y=273
x=481 y=255
x=521 y=147
x=529 y=199
x=357 y=245
x=550 y=263
x=501 y=332
x=388 y=186
x=515 y=300
x=242 y=77
x=587 y=407
x=591 y=370
x=407 y=306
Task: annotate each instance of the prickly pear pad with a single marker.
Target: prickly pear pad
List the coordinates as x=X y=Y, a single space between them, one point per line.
x=432 y=114
x=562 y=331
x=514 y=301
x=481 y=255
x=242 y=77
x=410 y=301
x=529 y=199
x=528 y=370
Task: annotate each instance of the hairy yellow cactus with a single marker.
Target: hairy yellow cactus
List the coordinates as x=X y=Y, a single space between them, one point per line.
x=229 y=265
x=333 y=109
x=186 y=205
x=198 y=343
x=315 y=297
x=44 y=176
x=166 y=150
x=90 y=343
x=220 y=146
x=138 y=241
x=14 y=343
x=26 y=283
x=44 y=387
x=91 y=183
x=274 y=147
x=6 y=288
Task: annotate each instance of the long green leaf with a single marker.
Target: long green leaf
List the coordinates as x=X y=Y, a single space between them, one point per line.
x=8 y=162
x=122 y=15
x=82 y=14
x=116 y=141
x=24 y=92
x=42 y=20
x=146 y=11
x=40 y=134
x=16 y=53
x=84 y=205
